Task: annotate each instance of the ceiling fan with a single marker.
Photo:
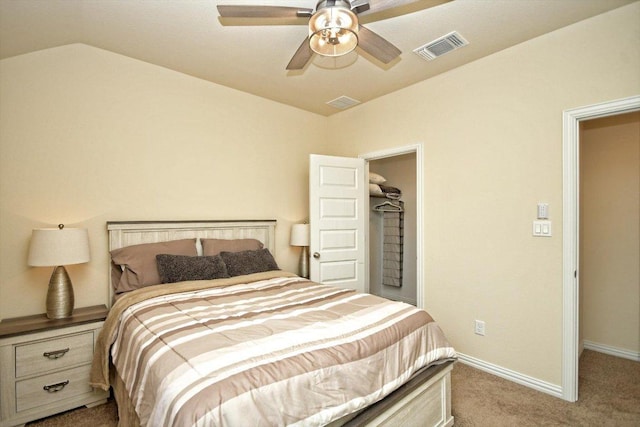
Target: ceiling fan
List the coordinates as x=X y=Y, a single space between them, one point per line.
x=333 y=27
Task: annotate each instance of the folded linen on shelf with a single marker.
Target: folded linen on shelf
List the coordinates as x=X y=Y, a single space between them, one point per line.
x=379 y=190
x=391 y=192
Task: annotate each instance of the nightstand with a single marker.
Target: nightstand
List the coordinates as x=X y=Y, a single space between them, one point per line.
x=45 y=364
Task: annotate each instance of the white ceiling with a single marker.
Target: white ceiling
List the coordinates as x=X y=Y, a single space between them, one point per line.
x=188 y=36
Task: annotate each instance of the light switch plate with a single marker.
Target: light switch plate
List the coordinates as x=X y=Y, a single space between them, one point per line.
x=542 y=228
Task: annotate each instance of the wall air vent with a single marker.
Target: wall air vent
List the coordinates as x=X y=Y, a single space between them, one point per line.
x=439 y=47
x=343 y=102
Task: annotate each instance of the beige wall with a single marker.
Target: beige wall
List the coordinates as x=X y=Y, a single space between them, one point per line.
x=492 y=138
x=88 y=136
x=609 y=231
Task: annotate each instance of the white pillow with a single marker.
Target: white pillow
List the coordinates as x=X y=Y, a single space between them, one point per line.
x=374 y=178
x=375 y=190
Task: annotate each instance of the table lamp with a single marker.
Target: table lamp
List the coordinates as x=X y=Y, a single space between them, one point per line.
x=300 y=237
x=57 y=247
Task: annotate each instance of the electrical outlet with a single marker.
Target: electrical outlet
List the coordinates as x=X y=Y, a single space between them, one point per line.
x=479 y=327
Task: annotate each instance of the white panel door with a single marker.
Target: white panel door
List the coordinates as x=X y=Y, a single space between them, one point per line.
x=338 y=215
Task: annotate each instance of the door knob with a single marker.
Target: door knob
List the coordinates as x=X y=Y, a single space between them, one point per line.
x=316 y=255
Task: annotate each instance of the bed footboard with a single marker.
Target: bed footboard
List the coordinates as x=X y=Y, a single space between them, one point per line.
x=423 y=401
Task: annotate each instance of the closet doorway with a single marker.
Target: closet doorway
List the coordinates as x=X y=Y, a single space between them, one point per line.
x=395 y=271
x=609 y=235
x=570 y=233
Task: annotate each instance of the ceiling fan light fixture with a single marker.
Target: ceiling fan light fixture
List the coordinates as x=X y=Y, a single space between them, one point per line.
x=333 y=29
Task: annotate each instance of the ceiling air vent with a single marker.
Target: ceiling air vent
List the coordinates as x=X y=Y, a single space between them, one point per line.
x=343 y=102
x=438 y=47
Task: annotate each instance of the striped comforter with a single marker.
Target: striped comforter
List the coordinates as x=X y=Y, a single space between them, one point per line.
x=261 y=350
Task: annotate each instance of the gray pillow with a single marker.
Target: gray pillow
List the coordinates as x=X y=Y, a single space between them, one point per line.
x=179 y=268
x=211 y=247
x=247 y=262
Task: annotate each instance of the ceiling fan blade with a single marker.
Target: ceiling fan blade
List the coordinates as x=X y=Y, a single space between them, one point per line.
x=376 y=46
x=263 y=12
x=359 y=6
x=301 y=57
x=376 y=6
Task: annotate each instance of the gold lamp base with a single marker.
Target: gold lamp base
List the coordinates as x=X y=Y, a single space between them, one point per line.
x=303 y=265
x=60 y=295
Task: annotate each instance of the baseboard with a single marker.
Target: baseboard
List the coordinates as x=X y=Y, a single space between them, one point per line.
x=612 y=351
x=516 y=377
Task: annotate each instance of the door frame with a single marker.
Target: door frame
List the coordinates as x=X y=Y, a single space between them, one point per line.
x=399 y=151
x=571 y=234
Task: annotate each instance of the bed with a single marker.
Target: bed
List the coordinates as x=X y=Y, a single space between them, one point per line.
x=229 y=339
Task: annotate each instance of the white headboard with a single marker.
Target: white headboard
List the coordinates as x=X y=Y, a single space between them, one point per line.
x=127 y=233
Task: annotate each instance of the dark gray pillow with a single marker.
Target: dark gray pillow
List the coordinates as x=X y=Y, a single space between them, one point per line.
x=179 y=268
x=247 y=262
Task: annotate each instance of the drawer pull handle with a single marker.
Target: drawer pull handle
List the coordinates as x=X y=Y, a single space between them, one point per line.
x=54 y=388
x=55 y=354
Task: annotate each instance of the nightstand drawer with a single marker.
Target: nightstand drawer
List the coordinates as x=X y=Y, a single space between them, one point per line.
x=52 y=388
x=55 y=353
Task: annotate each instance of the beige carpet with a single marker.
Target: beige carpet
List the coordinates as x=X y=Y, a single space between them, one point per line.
x=609 y=395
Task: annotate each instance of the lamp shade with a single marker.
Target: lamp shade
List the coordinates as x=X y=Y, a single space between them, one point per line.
x=58 y=246
x=300 y=235
x=333 y=29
